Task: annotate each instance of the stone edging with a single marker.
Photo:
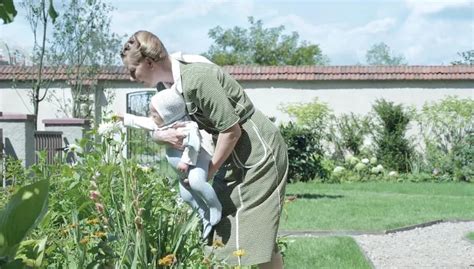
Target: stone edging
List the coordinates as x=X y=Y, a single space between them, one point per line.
x=411 y=227
x=321 y=233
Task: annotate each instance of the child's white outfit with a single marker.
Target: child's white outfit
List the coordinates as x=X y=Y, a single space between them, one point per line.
x=197 y=153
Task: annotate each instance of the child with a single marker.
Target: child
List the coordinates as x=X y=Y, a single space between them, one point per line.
x=167 y=107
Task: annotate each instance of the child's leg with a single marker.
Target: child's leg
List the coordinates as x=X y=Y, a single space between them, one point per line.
x=189 y=195
x=197 y=204
x=198 y=182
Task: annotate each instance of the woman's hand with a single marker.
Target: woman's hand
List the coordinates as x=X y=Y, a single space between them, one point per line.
x=172 y=136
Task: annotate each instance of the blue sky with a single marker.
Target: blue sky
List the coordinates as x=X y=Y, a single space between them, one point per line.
x=425 y=32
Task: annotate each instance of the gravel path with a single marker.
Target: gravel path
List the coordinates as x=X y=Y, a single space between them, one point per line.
x=442 y=245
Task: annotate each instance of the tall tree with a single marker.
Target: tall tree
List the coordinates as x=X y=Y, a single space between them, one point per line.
x=83 y=44
x=380 y=54
x=467 y=58
x=261 y=46
x=8 y=11
x=38 y=14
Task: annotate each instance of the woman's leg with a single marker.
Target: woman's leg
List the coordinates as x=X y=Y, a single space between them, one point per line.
x=197 y=177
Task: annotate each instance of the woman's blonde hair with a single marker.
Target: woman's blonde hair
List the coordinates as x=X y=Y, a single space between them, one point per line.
x=143 y=44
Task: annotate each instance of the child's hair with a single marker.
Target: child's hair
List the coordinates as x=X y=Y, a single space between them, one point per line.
x=169 y=104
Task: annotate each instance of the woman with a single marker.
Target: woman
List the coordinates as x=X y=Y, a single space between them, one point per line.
x=250 y=152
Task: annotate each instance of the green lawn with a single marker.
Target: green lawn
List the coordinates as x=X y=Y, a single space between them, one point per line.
x=324 y=252
x=374 y=206
x=470 y=236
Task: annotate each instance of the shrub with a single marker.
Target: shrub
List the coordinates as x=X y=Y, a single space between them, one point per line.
x=463 y=159
x=305 y=152
x=446 y=128
x=314 y=114
x=347 y=134
x=392 y=147
x=305 y=139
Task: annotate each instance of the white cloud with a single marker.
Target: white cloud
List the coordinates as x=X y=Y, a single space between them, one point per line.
x=343 y=43
x=375 y=27
x=187 y=10
x=434 y=41
x=179 y=24
x=433 y=6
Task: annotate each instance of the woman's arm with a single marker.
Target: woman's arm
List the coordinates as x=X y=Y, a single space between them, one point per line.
x=225 y=144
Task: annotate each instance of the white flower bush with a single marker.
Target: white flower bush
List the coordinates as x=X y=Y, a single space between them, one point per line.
x=377 y=170
x=353 y=160
x=338 y=170
x=373 y=160
x=360 y=167
x=348 y=157
x=365 y=161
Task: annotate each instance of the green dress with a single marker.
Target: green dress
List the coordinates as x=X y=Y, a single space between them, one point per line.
x=252 y=192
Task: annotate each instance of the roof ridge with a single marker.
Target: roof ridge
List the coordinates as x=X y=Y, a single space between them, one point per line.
x=287 y=72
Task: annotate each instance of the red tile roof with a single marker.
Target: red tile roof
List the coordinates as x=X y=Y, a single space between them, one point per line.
x=262 y=73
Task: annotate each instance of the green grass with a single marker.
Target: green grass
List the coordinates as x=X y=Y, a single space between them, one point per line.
x=375 y=206
x=324 y=252
x=470 y=236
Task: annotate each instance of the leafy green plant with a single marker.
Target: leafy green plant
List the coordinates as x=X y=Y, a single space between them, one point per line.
x=108 y=211
x=463 y=159
x=347 y=134
x=392 y=147
x=305 y=152
x=21 y=214
x=314 y=114
x=446 y=128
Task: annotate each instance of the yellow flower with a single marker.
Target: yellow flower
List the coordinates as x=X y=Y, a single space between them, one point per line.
x=167 y=260
x=239 y=253
x=217 y=244
x=84 y=240
x=93 y=221
x=100 y=234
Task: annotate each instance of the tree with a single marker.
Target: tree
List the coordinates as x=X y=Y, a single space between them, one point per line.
x=38 y=16
x=82 y=44
x=467 y=58
x=380 y=54
x=261 y=46
x=8 y=11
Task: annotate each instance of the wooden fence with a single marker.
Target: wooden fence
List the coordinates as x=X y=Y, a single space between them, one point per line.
x=51 y=142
